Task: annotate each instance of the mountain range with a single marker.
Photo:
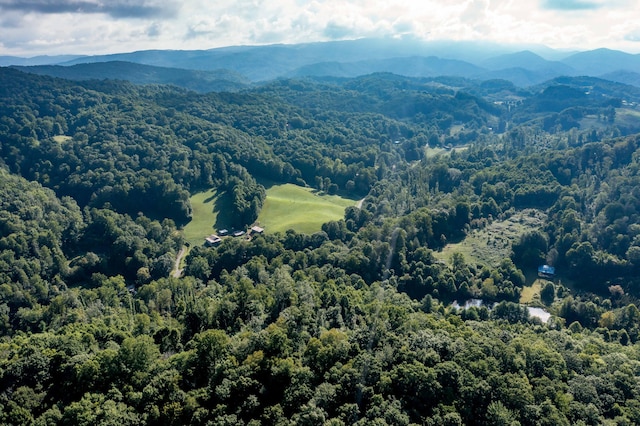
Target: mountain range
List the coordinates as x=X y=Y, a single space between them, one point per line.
x=231 y=68
x=196 y=80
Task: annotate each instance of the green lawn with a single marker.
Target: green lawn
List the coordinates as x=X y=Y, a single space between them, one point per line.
x=286 y=207
x=294 y=207
x=204 y=218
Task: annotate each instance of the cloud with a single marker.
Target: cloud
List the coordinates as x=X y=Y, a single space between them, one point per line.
x=571 y=5
x=101 y=26
x=404 y=27
x=113 y=8
x=475 y=11
x=213 y=27
x=10 y=21
x=633 y=35
x=154 y=30
x=336 y=31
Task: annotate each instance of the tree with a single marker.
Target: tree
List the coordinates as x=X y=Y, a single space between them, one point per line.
x=548 y=293
x=199 y=268
x=499 y=415
x=531 y=249
x=137 y=355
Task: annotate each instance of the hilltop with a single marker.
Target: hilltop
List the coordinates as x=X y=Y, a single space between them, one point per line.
x=522 y=65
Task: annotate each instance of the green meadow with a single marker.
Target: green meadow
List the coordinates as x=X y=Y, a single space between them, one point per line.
x=287 y=206
x=205 y=216
x=488 y=246
x=290 y=206
x=532 y=292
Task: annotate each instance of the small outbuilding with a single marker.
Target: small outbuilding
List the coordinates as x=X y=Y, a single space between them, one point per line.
x=212 y=240
x=546 y=271
x=257 y=230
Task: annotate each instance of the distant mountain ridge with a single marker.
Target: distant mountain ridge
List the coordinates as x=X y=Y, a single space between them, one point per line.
x=198 y=81
x=526 y=59
x=414 y=66
x=36 y=60
x=626 y=77
x=602 y=61
x=522 y=65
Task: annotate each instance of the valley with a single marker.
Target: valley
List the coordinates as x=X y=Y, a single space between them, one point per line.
x=367 y=193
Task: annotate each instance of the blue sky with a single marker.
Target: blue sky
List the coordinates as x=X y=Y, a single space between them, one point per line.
x=34 y=27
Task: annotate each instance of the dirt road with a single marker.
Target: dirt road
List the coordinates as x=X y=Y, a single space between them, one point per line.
x=177 y=272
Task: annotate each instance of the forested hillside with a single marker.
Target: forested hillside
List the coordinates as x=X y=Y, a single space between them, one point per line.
x=352 y=325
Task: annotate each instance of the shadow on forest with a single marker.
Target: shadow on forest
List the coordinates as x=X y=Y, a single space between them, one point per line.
x=223 y=205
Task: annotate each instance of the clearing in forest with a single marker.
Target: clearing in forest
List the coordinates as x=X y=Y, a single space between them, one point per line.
x=627 y=118
x=492 y=244
x=291 y=206
x=205 y=216
x=287 y=206
x=61 y=138
x=531 y=292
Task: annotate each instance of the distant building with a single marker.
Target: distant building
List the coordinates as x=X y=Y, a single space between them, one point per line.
x=546 y=271
x=223 y=232
x=238 y=233
x=212 y=240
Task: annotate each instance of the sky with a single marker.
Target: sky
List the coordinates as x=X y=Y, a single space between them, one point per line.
x=35 y=27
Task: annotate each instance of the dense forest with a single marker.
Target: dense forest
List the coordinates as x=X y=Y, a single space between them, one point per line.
x=354 y=324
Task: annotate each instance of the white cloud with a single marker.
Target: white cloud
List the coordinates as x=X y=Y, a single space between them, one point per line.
x=32 y=27
x=633 y=35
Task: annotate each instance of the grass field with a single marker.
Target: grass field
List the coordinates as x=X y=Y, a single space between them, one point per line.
x=490 y=245
x=455 y=129
x=530 y=292
x=286 y=207
x=627 y=117
x=294 y=207
x=204 y=218
x=627 y=112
